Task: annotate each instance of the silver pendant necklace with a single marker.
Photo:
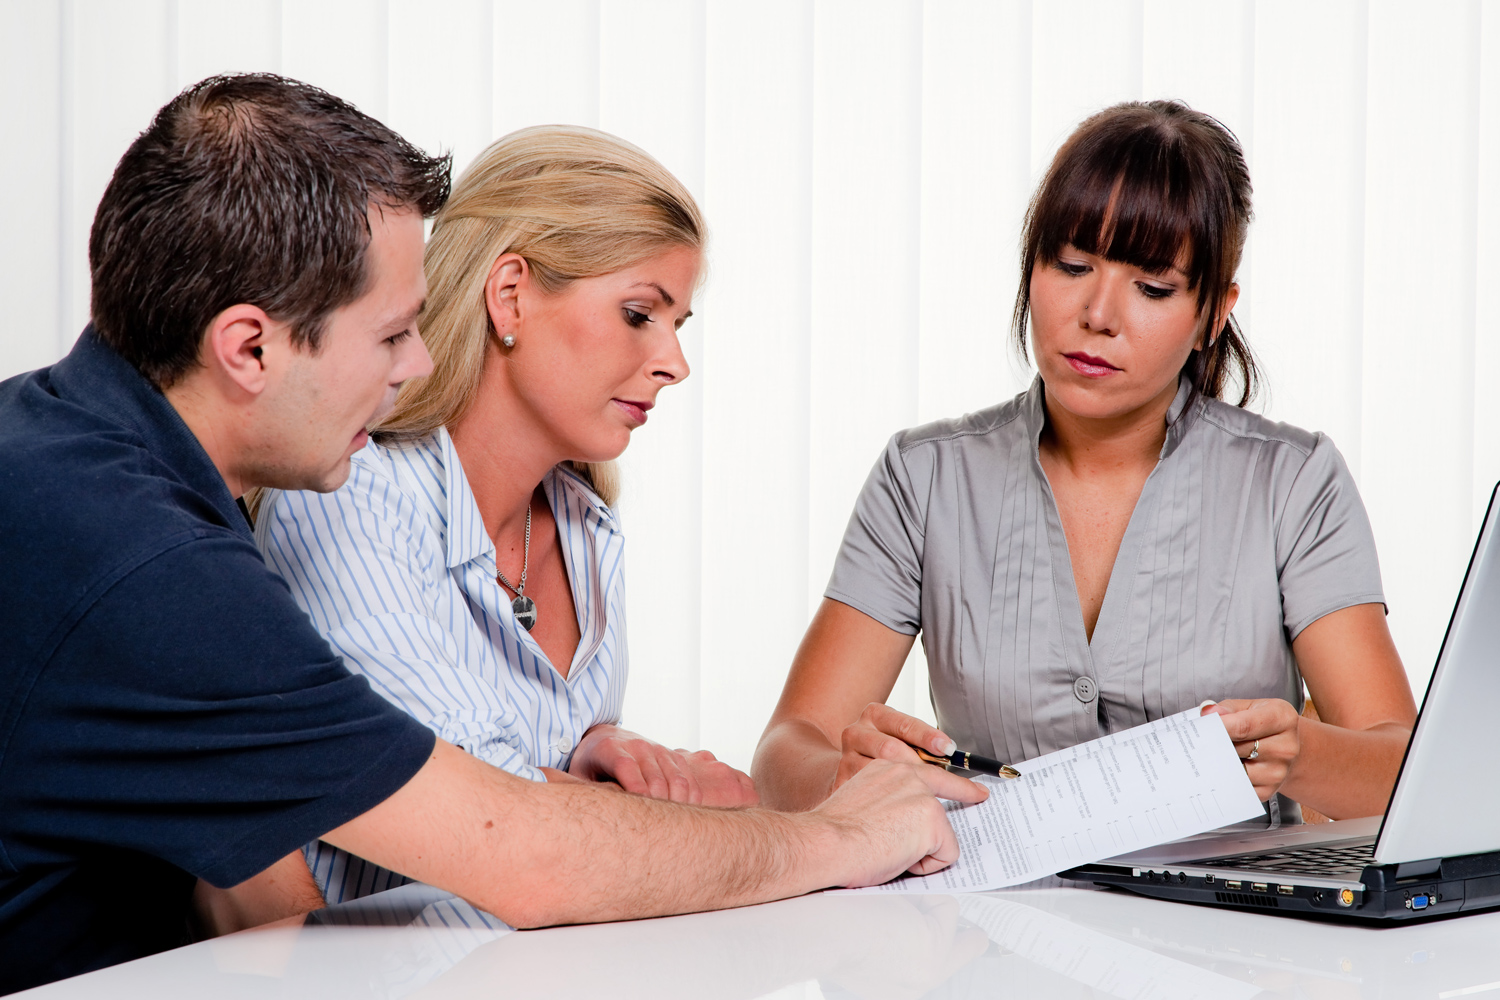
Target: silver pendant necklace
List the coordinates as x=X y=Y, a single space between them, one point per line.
x=523 y=606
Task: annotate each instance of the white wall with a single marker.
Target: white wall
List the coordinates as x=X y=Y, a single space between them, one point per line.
x=864 y=165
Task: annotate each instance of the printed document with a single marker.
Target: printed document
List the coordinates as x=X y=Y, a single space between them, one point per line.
x=1168 y=779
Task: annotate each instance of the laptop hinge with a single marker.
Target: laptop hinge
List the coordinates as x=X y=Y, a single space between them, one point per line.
x=1416 y=869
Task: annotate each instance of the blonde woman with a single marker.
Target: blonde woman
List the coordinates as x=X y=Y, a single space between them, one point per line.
x=471 y=568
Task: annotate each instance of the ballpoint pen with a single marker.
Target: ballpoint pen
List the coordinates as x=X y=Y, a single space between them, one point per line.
x=969 y=762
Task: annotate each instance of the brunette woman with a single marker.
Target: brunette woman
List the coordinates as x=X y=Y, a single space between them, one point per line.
x=1118 y=543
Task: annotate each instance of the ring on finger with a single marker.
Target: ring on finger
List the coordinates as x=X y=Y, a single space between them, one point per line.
x=1254 y=751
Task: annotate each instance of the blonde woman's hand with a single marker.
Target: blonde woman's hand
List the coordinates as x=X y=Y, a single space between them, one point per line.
x=1272 y=721
x=642 y=766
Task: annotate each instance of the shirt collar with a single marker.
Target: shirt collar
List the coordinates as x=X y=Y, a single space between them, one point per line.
x=467 y=539
x=466 y=535
x=95 y=377
x=1186 y=406
x=578 y=484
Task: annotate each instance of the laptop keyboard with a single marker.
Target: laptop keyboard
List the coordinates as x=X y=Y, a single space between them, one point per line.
x=1330 y=861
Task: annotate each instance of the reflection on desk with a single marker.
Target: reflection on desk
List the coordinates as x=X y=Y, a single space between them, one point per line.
x=1035 y=942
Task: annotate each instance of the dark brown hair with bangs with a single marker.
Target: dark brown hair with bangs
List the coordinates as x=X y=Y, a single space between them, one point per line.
x=1149 y=184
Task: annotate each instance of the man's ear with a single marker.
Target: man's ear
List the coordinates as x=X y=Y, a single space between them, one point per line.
x=234 y=346
x=509 y=279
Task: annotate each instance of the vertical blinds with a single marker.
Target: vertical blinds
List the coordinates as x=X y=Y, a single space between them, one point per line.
x=864 y=166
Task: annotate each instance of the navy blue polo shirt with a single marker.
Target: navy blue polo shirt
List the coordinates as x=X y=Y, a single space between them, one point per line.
x=167 y=712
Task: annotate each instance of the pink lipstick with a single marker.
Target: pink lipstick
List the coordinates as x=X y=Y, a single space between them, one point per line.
x=1089 y=366
x=633 y=409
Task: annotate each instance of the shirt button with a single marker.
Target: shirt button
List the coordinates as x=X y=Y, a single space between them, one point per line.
x=1084 y=689
x=563 y=745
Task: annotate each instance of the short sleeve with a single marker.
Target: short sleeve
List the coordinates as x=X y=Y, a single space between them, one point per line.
x=355 y=562
x=1325 y=548
x=194 y=715
x=879 y=566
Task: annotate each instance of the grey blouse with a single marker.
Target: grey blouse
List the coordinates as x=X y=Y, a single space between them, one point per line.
x=1246 y=532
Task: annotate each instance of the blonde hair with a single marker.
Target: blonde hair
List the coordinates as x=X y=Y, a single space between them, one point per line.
x=575 y=203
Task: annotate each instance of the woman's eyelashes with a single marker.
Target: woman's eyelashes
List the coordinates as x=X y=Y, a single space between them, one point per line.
x=1077 y=269
x=635 y=318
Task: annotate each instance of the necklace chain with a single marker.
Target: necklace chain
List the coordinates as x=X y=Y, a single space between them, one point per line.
x=520 y=586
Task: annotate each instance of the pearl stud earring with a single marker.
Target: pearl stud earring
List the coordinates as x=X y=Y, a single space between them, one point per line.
x=509 y=340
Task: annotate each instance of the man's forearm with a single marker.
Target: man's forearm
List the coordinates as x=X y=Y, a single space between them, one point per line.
x=606 y=856
x=536 y=854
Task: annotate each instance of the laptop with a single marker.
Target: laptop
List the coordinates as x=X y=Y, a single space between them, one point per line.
x=1435 y=852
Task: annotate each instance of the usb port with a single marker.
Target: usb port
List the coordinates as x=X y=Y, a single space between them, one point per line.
x=1231 y=883
x=1285 y=890
x=1258 y=886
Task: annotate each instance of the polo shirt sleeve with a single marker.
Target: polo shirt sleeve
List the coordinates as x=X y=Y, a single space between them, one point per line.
x=193 y=714
x=879 y=566
x=1325 y=548
x=355 y=563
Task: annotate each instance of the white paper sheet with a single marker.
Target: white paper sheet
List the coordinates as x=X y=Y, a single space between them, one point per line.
x=1168 y=779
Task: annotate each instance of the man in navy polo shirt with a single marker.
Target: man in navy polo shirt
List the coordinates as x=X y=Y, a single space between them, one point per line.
x=167 y=713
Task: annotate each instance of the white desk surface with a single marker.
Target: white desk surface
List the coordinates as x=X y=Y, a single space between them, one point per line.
x=1048 y=942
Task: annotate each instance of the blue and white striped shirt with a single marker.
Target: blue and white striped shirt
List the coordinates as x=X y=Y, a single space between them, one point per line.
x=396 y=570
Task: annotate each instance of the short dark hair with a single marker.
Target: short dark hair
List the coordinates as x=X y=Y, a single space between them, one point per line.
x=248 y=188
x=1140 y=183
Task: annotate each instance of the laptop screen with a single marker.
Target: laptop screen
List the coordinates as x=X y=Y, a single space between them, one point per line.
x=1445 y=802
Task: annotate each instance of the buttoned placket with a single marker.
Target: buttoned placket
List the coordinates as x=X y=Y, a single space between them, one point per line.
x=1091 y=661
x=470 y=542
